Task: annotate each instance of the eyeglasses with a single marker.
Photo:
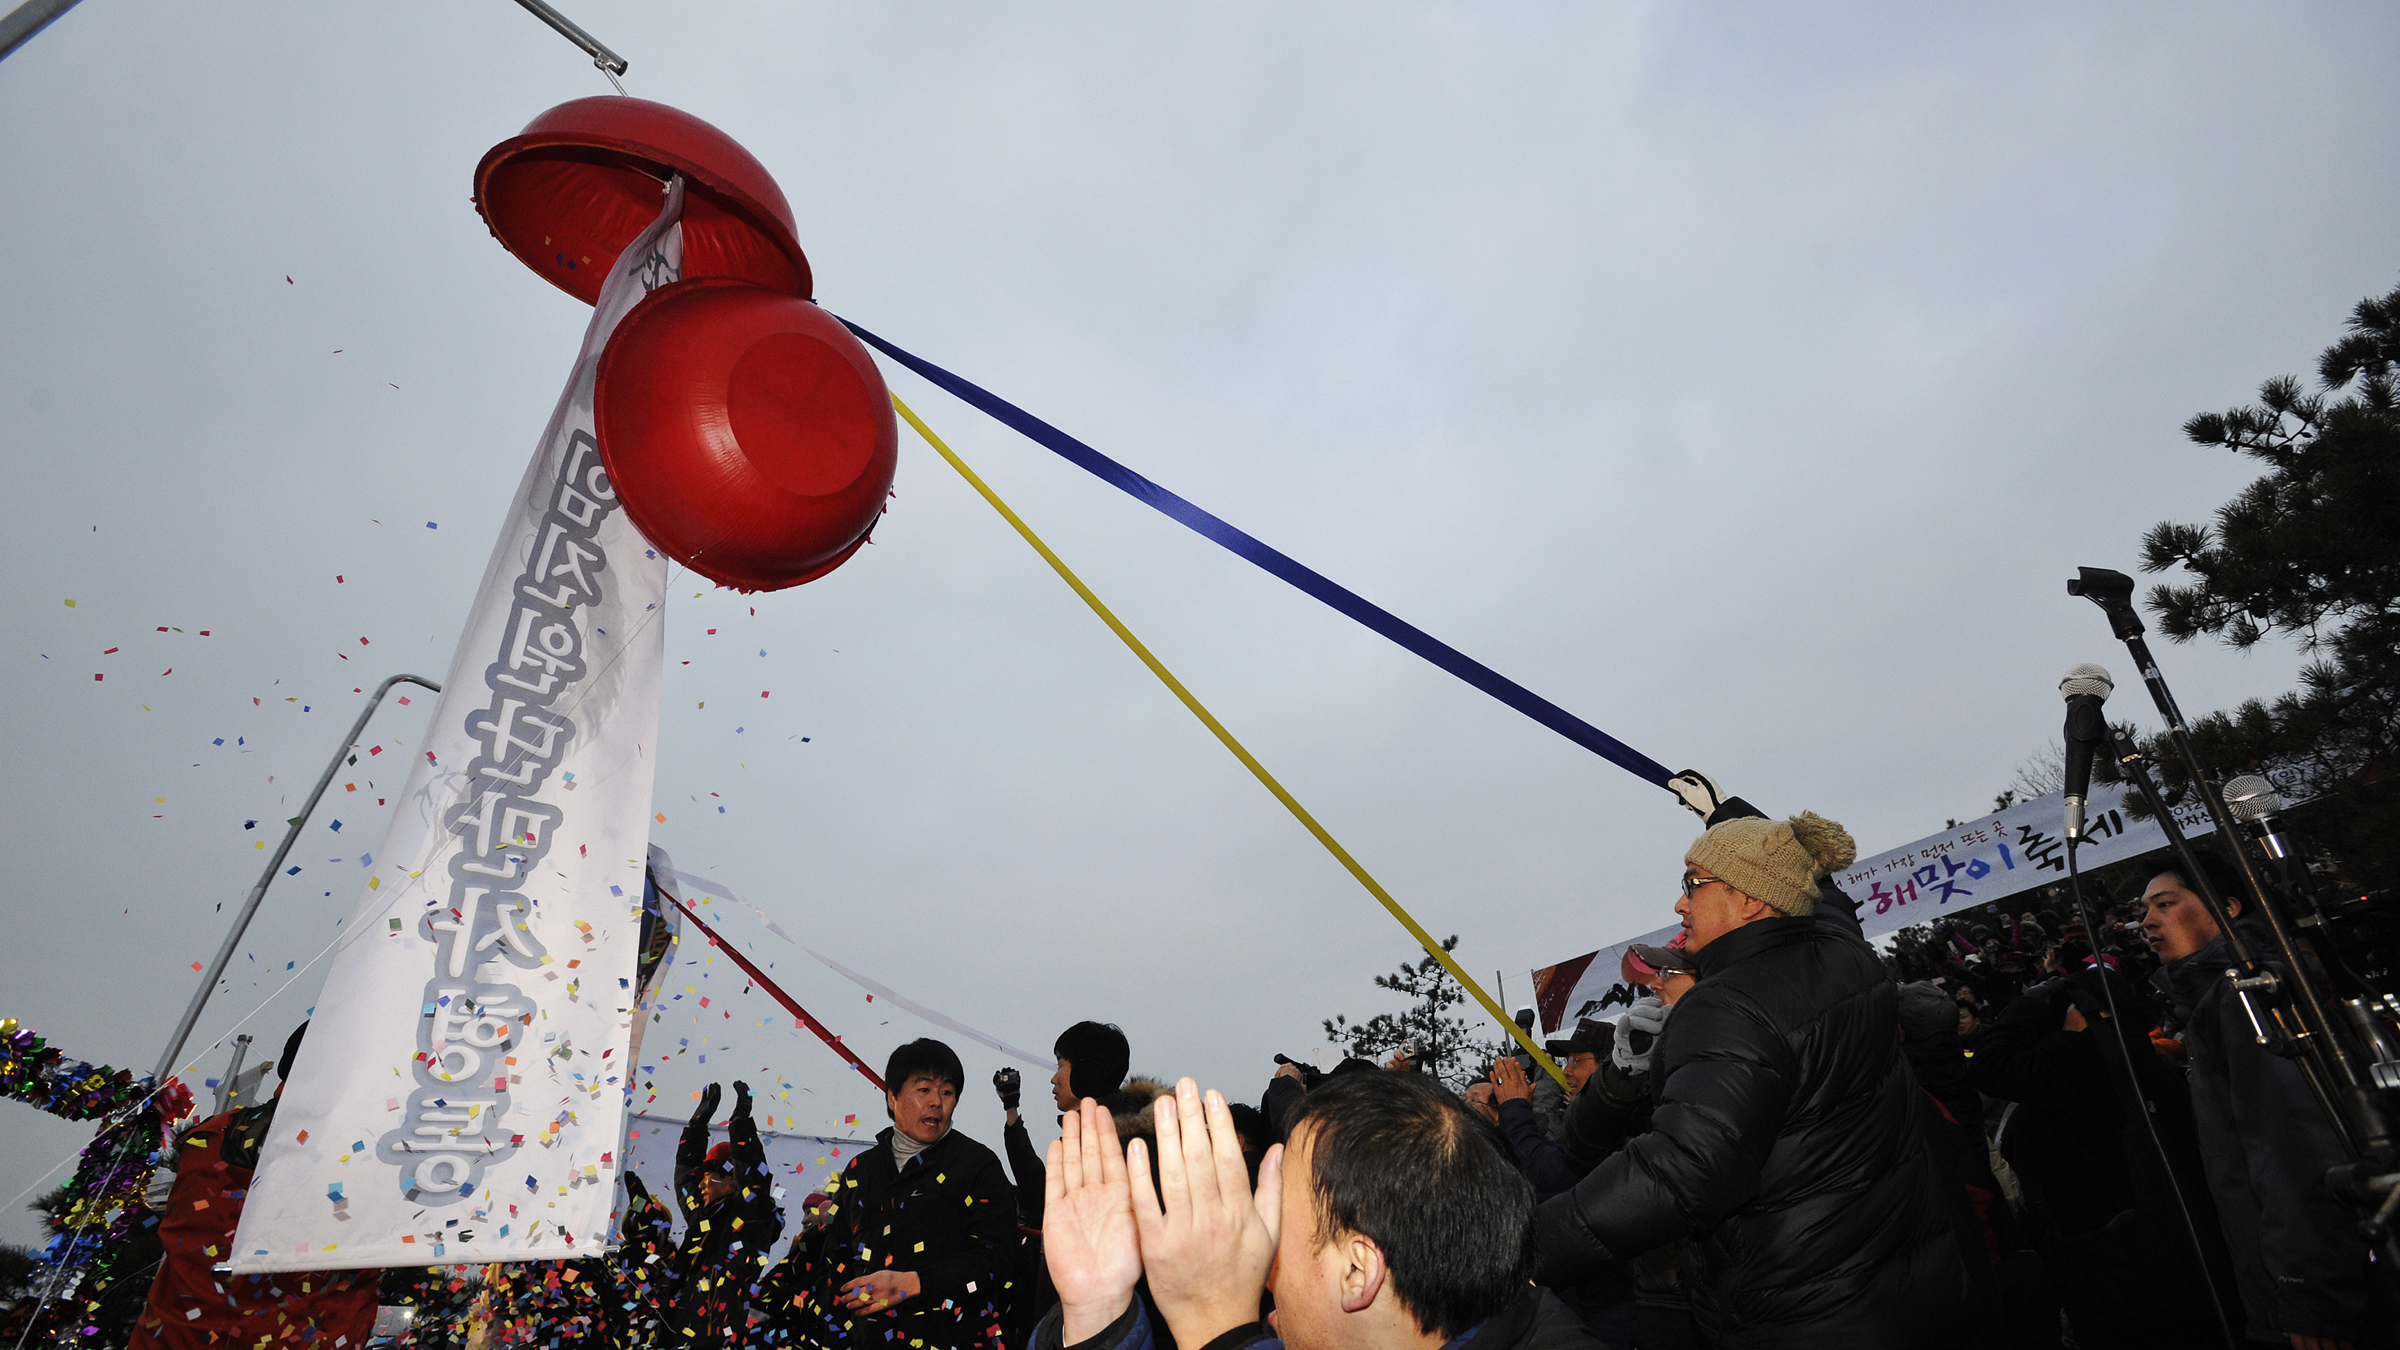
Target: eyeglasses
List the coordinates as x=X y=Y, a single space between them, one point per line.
x=1692 y=883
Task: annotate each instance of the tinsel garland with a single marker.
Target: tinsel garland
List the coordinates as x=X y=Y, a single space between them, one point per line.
x=103 y=1248
x=40 y=1075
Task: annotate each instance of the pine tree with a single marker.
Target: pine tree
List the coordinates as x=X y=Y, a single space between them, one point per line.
x=2310 y=550
x=1440 y=1044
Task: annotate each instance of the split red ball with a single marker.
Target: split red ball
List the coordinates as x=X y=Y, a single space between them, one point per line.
x=746 y=432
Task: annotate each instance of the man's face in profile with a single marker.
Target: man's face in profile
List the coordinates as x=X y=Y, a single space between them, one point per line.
x=1316 y=1278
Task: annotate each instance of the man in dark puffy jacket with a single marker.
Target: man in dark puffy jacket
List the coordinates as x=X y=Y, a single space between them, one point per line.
x=1786 y=1141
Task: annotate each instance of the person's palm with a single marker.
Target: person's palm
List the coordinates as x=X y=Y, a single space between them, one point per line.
x=1208 y=1240
x=1088 y=1235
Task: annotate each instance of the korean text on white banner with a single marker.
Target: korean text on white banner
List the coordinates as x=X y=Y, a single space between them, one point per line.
x=2015 y=850
x=461 y=1094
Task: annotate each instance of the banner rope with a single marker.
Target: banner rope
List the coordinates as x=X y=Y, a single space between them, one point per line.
x=1276 y=563
x=802 y=1015
x=1249 y=761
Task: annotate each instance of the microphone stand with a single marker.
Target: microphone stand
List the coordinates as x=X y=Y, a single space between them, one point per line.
x=2332 y=1068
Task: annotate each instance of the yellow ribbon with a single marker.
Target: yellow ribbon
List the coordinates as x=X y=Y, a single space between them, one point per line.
x=1250 y=762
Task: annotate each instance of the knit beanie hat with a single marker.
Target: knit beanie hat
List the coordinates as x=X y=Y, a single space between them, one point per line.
x=1776 y=862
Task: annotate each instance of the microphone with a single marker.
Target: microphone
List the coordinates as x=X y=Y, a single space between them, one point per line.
x=2085 y=688
x=2254 y=801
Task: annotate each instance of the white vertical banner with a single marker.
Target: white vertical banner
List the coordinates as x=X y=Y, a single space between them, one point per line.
x=461 y=1095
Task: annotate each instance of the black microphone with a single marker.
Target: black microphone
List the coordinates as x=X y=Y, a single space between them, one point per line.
x=2085 y=688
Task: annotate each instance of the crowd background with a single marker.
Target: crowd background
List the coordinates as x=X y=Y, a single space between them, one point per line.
x=2000 y=1132
x=2046 y=1123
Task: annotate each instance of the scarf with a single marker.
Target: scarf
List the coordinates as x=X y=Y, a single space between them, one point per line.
x=905 y=1148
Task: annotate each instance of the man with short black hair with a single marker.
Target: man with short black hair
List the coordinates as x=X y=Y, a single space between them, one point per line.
x=2297 y=1255
x=920 y=1229
x=1404 y=1227
x=1093 y=1059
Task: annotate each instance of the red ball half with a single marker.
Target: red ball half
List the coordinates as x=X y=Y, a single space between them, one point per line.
x=746 y=431
x=573 y=189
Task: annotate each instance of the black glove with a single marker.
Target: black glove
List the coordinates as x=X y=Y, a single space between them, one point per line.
x=1010 y=1085
x=709 y=1097
x=741 y=1100
x=638 y=1203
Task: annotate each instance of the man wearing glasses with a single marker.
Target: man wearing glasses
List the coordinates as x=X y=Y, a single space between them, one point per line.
x=1784 y=1143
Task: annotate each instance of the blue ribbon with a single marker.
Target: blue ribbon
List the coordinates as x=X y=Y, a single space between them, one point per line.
x=1408 y=635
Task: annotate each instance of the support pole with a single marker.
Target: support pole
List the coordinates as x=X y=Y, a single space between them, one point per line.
x=601 y=56
x=21 y=23
x=291 y=835
x=230 y=1084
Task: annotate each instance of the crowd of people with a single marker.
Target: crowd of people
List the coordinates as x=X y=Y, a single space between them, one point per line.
x=2018 y=1134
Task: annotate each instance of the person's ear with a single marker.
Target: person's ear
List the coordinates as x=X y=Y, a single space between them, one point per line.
x=1362 y=1283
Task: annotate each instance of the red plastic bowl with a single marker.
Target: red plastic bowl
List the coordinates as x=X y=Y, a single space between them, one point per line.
x=746 y=432
x=569 y=193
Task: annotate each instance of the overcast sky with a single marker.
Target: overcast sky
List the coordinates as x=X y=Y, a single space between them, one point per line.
x=1745 y=379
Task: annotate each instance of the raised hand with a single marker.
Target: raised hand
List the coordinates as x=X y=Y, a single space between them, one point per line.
x=1637 y=1033
x=709 y=1097
x=1698 y=793
x=1508 y=1078
x=1206 y=1241
x=1088 y=1235
x=741 y=1100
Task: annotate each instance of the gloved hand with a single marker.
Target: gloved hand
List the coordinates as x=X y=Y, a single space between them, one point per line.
x=741 y=1099
x=1637 y=1034
x=709 y=1097
x=638 y=1206
x=1698 y=793
x=1010 y=1085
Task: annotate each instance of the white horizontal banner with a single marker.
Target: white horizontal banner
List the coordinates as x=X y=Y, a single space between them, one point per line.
x=1980 y=861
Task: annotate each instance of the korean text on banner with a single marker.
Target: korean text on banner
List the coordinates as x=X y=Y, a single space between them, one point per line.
x=1975 y=863
x=461 y=1095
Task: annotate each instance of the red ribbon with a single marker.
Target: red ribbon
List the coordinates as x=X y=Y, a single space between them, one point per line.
x=802 y=1015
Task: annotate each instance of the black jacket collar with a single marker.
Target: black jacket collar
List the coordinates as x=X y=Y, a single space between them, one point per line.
x=1750 y=939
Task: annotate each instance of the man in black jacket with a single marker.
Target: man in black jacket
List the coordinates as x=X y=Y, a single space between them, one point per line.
x=920 y=1232
x=1402 y=1226
x=2104 y=1211
x=1093 y=1059
x=2297 y=1254
x=1786 y=1140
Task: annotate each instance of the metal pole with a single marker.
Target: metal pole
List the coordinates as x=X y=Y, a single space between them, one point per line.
x=592 y=46
x=232 y=1081
x=20 y=24
x=241 y=922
